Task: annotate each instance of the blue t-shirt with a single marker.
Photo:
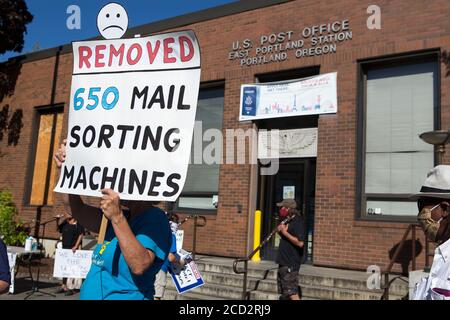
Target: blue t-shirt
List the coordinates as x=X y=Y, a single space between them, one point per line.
x=173 y=249
x=4 y=263
x=110 y=278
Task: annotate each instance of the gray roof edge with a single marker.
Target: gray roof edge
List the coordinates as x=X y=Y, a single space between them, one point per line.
x=170 y=23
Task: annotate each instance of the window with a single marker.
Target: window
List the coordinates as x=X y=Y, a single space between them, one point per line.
x=49 y=127
x=201 y=188
x=401 y=98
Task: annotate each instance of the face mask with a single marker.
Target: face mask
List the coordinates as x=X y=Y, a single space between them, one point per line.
x=428 y=224
x=283 y=212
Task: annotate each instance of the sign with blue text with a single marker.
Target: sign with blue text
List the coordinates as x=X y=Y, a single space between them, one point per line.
x=314 y=95
x=132 y=113
x=69 y=264
x=187 y=278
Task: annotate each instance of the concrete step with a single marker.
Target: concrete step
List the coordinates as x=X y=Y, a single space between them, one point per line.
x=309 y=276
x=172 y=294
x=226 y=286
x=214 y=290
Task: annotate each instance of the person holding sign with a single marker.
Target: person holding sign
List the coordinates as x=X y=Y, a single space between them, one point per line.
x=72 y=235
x=137 y=242
x=5 y=276
x=132 y=103
x=172 y=260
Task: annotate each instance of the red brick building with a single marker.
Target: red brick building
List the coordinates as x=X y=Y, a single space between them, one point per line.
x=392 y=84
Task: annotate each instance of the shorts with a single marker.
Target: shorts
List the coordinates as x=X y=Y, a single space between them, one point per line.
x=287 y=281
x=160 y=284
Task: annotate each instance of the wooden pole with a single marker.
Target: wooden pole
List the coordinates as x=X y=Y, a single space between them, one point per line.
x=102 y=232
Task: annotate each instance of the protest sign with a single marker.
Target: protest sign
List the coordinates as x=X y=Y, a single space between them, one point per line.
x=180 y=237
x=131 y=119
x=72 y=265
x=186 y=279
x=12 y=264
x=314 y=95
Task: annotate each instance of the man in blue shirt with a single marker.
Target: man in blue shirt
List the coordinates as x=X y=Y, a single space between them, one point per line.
x=5 y=276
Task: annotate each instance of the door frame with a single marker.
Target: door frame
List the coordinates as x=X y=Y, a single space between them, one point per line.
x=265 y=199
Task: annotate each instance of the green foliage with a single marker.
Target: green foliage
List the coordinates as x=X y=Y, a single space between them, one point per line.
x=14 y=17
x=12 y=231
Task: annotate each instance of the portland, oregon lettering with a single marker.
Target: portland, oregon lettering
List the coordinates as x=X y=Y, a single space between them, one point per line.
x=280 y=46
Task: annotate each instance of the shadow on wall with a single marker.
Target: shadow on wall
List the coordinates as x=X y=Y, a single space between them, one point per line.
x=9 y=72
x=10 y=125
x=446 y=60
x=405 y=255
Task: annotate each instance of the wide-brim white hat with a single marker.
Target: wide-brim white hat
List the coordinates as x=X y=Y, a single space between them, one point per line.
x=436 y=185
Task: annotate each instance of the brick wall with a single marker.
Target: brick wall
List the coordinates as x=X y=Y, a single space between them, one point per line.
x=340 y=239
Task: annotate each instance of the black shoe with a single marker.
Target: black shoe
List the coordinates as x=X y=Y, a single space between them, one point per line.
x=68 y=293
x=60 y=290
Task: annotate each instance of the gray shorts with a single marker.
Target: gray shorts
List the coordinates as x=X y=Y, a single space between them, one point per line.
x=160 y=284
x=287 y=281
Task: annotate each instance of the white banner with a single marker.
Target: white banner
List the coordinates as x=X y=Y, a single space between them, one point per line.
x=131 y=118
x=72 y=265
x=314 y=95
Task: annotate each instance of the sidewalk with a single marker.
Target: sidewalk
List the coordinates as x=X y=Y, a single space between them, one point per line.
x=23 y=289
x=47 y=284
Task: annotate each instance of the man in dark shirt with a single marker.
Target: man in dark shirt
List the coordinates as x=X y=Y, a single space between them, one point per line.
x=72 y=234
x=5 y=276
x=290 y=250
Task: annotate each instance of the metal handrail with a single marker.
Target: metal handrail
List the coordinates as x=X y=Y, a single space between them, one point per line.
x=387 y=283
x=244 y=272
x=197 y=223
x=245 y=294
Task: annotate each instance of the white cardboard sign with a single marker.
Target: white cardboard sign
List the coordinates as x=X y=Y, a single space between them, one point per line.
x=188 y=278
x=72 y=265
x=131 y=119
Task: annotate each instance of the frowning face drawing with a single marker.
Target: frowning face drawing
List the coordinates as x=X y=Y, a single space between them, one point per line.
x=112 y=21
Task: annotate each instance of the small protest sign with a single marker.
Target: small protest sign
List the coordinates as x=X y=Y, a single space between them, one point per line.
x=69 y=264
x=180 y=237
x=187 y=278
x=131 y=118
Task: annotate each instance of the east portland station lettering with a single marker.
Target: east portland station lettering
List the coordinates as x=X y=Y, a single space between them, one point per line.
x=310 y=41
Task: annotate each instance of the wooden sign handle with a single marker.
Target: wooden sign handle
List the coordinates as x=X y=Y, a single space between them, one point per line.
x=102 y=232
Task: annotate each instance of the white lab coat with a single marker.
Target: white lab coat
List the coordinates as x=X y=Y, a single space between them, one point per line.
x=439 y=276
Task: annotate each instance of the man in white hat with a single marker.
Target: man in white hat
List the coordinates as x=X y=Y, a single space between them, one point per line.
x=434 y=208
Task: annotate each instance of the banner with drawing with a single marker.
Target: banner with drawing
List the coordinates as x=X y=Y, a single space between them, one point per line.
x=131 y=118
x=314 y=95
